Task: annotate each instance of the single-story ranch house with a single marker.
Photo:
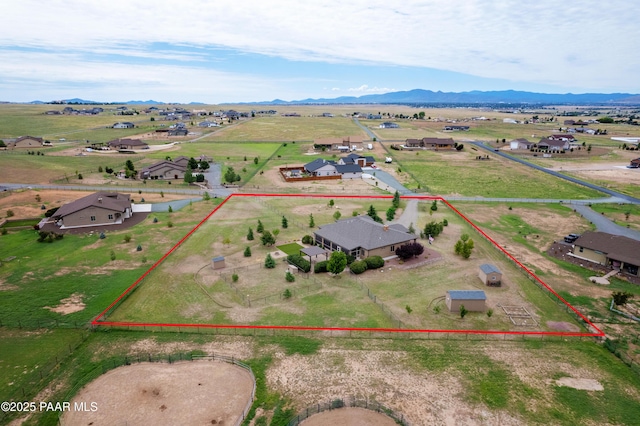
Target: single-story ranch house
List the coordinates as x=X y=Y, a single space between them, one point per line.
x=163 y=170
x=360 y=160
x=436 y=144
x=362 y=237
x=347 y=143
x=610 y=250
x=124 y=125
x=101 y=208
x=321 y=167
x=26 y=142
x=547 y=144
x=127 y=144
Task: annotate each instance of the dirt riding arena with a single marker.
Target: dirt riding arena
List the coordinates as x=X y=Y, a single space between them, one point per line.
x=189 y=393
x=349 y=417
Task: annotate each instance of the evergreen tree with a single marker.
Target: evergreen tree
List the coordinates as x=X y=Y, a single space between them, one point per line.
x=250 y=235
x=312 y=222
x=247 y=252
x=285 y=223
x=269 y=262
x=260 y=227
x=188 y=176
x=267 y=239
x=193 y=163
x=396 y=200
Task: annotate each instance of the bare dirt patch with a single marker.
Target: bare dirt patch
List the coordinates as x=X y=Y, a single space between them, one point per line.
x=349 y=417
x=562 y=326
x=199 y=392
x=582 y=384
x=69 y=305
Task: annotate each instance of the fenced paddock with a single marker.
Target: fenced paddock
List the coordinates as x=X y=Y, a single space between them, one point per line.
x=165 y=391
x=381 y=415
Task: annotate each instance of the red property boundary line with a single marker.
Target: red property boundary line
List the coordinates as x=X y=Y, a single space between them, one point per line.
x=100 y=321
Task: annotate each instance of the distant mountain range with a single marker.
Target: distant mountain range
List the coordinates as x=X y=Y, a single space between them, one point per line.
x=420 y=96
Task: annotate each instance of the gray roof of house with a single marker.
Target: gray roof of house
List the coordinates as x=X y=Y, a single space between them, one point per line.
x=313 y=251
x=362 y=231
x=348 y=168
x=218 y=258
x=467 y=295
x=105 y=200
x=316 y=164
x=487 y=268
x=163 y=163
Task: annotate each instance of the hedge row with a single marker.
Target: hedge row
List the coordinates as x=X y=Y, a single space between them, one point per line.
x=300 y=262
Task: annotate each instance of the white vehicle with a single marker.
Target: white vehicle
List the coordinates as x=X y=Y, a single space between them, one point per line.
x=388 y=160
x=369 y=146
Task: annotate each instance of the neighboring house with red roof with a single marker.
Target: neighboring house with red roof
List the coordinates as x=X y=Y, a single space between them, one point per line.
x=101 y=208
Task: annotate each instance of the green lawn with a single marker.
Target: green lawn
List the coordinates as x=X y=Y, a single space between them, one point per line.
x=292 y=248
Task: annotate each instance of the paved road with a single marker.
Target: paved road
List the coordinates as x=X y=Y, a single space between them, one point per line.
x=366 y=129
x=622 y=197
x=603 y=224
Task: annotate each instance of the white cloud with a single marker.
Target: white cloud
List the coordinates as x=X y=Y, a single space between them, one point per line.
x=366 y=89
x=543 y=42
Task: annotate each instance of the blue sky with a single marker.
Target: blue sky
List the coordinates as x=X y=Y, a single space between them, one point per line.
x=213 y=52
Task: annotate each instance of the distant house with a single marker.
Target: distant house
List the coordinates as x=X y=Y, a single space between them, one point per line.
x=437 y=144
x=456 y=128
x=521 y=143
x=473 y=300
x=124 y=125
x=562 y=137
x=127 y=144
x=374 y=116
x=326 y=114
x=360 y=160
x=490 y=275
x=389 y=125
x=163 y=170
x=610 y=250
x=101 y=208
x=556 y=145
x=208 y=124
x=179 y=131
x=343 y=144
x=362 y=237
x=26 y=142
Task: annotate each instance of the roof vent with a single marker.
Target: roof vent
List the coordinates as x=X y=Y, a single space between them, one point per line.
x=100 y=199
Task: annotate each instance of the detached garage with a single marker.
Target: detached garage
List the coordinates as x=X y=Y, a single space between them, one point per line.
x=473 y=300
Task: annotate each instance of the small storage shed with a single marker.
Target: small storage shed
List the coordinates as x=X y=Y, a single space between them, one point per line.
x=473 y=300
x=490 y=275
x=217 y=262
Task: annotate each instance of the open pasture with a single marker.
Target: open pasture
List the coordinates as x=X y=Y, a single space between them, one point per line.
x=185 y=289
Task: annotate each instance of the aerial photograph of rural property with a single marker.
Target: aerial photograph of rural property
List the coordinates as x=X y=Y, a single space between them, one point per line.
x=319 y=213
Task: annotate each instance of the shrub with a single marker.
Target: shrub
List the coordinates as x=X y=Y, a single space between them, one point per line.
x=250 y=235
x=112 y=255
x=489 y=312
x=247 y=252
x=320 y=267
x=287 y=293
x=269 y=263
x=127 y=238
x=139 y=248
x=307 y=239
x=358 y=267
x=170 y=224
x=235 y=278
x=10 y=213
x=4 y=231
x=51 y=212
x=299 y=261
x=289 y=277
x=170 y=209
x=374 y=262
x=463 y=311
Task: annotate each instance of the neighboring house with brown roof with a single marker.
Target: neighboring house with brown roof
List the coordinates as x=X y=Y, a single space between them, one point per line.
x=360 y=160
x=610 y=250
x=26 y=142
x=127 y=144
x=563 y=137
x=164 y=169
x=557 y=145
x=436 y=144
x=346 y=143
x=182 y=161
x=101 y=208
x=362 y=237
